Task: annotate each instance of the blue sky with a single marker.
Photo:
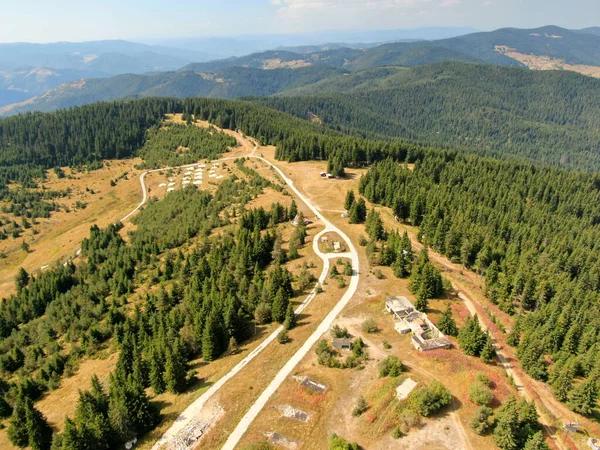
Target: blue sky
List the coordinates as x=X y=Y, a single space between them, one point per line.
x=77 y=20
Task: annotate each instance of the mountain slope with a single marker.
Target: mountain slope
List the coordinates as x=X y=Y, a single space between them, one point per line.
x=545 y=116
x=227 y=83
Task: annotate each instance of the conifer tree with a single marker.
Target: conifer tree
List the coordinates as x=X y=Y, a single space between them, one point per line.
x=290 y=317
x=70 y=438
x=583 y=398
x=447 y=324
x=374 y=226
x=536 y=442
x=293 y=209
x=488 y=353
x=22 y=279
x=175 y=374
x=18 y=433
x=350 y=198
x=358 y=211
x=40 y=433
x=279 y=306
x=506 y=431
x=210 y=340
x=157 y=368
x=470 y=337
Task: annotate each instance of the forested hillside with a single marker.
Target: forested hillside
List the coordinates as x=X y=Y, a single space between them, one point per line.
x=543 y=117
x=228 y=82
x=533 y=233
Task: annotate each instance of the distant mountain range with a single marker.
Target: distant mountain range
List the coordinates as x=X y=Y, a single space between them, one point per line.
x=275 y=71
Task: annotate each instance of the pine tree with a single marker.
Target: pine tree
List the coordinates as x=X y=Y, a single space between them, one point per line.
x=584 y=397
x=358 y=211
x=513 y=338
x=22 y=279
x=447 y=324
x=175 y=374
x=374 y=225
x=470 y=337
x=18 y=433
x=506 y=432
x=70 y=438
x=536 y=442
x=350 y=198
x=290 y=317
x=488 y=353
x=279 y=306
x=40 y=433
x=293 y=209
x=119 y=414
x=210 y=340
x=422 y=302
x=157 y=368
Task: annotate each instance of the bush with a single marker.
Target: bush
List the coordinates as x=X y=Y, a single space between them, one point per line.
x=377 y=273
x=339 y=443
x=361 y=407
x=480 y=422
x=480 y=394
x=397 y=433
x=338 y=332
x=362 y=241
x=262 y=313
x=369 y=326
x=387 y=345
x=283 y=337
x=391 y=367
x=318 y=288
x=483 y=379
x=431 y=399
x=341 y=282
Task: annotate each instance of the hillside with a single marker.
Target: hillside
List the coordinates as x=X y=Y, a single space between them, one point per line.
x=547 y=117
x=573 y=47
x=226 y=83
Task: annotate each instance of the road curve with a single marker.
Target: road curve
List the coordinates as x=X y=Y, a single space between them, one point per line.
x=192 y=410
x=324 y=326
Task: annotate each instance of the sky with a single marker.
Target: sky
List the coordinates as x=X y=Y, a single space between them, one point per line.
x=80 y=20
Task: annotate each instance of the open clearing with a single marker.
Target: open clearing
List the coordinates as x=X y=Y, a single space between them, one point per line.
x=59 y=236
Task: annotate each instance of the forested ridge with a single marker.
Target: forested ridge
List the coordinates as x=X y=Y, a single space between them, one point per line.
x=547 y=117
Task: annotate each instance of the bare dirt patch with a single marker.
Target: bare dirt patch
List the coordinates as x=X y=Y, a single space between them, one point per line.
x=536 y=62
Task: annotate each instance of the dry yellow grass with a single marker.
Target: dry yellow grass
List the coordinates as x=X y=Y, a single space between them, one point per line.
x=332 y=413
x=60 y=236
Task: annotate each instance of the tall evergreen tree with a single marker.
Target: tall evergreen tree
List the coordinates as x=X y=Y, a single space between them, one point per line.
x=18 y=433
x=349 y=201
x=22 y=279
x=40 y=433
x=447 y=324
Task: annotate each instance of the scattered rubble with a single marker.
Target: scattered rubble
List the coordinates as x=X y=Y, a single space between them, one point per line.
x=282 y=441
x=293 y=413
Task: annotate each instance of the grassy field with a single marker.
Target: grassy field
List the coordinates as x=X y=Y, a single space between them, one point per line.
x=59 y=236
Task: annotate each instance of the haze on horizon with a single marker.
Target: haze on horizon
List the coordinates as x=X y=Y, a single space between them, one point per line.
x=83 y=20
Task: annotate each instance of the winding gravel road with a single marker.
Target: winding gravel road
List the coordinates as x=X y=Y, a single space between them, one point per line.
x=170 y=437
